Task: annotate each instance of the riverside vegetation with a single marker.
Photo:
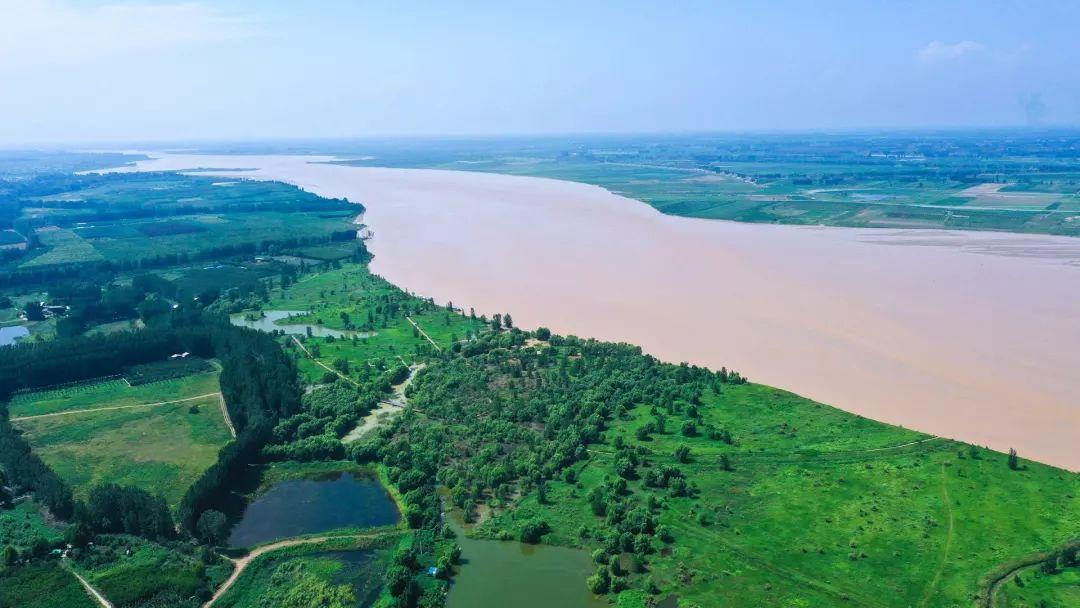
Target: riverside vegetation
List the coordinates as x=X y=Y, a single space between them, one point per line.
x=682 y=484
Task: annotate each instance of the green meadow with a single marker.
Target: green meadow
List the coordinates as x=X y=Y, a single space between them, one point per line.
x=106 y=437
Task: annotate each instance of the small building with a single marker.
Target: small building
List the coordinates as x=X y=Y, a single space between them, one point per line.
x=433 y=571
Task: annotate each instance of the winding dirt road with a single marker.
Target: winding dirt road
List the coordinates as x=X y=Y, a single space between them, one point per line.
x=243 y=562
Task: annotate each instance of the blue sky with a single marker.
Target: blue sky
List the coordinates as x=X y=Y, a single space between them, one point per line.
x=81 y=71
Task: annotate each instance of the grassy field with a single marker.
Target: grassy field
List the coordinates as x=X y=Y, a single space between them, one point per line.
x=110 y=393
x=1038 y=590
x=809 y=525
x=161 y=449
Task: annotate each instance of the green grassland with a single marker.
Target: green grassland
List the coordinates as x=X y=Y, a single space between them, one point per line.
x=161 y=449
x=1039 y=590
x=110 y=393
x=314 y=575
x=42 y=585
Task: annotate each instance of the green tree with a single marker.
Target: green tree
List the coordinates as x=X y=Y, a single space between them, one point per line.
x=682 y=454
x=212 y=527
x=1014 y=460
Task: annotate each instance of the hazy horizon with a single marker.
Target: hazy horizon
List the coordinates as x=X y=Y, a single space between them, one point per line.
x=89 y=72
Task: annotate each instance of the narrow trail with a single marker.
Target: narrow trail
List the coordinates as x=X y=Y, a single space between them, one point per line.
x=932 y=586
x=424 y=333
x=243 y=562
x=123 y=407
x=225 y=413
x=94 y=593
x=323 y=365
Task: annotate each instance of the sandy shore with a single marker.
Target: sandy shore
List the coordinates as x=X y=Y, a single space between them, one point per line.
x=974 y=336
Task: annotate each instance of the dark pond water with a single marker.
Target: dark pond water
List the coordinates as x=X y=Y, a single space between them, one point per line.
x=306 y=506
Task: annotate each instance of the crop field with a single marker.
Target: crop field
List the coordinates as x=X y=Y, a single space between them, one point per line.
x=102 y=433
x=110 y=393
x=64 y=247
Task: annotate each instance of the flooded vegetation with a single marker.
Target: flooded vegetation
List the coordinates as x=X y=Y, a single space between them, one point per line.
x=271 y=320
x=316 y=503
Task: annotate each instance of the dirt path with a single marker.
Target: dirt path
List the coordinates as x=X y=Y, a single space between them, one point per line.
x=94 y=593
x=932 y=587
x=424 y=333
x=225 y=413
x=243 y=562
x=323 y=365
x=122 y=407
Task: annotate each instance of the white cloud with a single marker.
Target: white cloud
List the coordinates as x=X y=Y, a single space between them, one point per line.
x=938 y=51
x=63 y=30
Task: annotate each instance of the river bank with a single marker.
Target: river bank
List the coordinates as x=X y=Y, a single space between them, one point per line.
x=974 y=336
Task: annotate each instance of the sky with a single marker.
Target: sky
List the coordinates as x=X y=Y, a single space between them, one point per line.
x=135 y=71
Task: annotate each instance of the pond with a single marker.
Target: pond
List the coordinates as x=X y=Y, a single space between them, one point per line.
x=12 y=334
x=535 y=576
x=295 y=507
x=269 y=322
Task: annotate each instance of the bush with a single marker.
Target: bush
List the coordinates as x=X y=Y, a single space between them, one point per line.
x=533 y=531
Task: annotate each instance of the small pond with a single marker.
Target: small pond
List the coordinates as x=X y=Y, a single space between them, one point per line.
x=535 y=576
x=12 y=334
x=269 y=322
x=294 y=507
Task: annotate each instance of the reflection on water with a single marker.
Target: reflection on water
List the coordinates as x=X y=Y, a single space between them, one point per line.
x=305 y=506
x=269 y=322
x=535 y=576
x=12 y=334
